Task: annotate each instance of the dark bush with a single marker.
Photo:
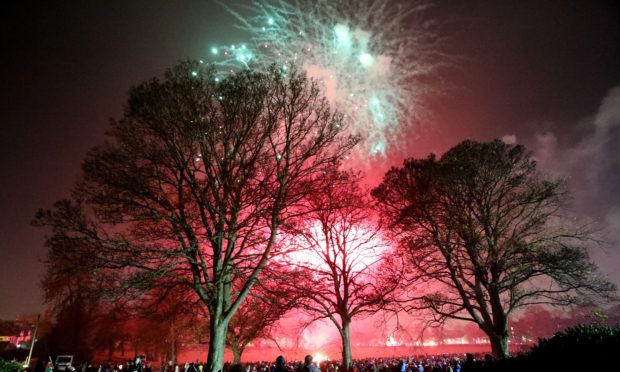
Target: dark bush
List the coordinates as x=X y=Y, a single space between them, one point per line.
x=583 y=347
x=6 y=366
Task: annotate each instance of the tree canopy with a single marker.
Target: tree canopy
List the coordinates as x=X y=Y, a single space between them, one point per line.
x=194 y=182
x=485 y=234
x=340 y=247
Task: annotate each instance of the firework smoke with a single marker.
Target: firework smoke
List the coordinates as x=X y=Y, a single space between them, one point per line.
x=368 y=56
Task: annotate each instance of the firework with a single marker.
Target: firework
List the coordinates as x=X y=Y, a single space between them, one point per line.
x=368 y=55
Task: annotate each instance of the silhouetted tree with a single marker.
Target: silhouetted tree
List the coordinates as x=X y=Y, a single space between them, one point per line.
x=71 y=333
x=258 y=315
x=86 y=317
x=485 y=231
x=165 y=317
x=72 y=295
x=340 y=247
x=196 y=180
x=109 y=328
x=100 y=316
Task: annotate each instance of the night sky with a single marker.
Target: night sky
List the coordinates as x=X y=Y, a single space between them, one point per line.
x=542 y=73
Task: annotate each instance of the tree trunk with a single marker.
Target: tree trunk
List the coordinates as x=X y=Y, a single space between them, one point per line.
x=499 y=334
x=217 y=344
x=236 y=350
x=499 y=345
x=345 y=334
x=110 y=349
x=173 y=343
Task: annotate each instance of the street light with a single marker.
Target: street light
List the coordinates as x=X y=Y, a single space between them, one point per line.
x=32 y=341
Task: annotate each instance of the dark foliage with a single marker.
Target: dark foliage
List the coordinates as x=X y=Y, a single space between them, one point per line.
x=193 y=184
x=489 y=234
x=6 y=366
x=583 y=347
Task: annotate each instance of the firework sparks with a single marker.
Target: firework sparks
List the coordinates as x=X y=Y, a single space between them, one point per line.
x=368 y=56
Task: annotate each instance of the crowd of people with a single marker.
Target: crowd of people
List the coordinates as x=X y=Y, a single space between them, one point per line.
x=426 y=363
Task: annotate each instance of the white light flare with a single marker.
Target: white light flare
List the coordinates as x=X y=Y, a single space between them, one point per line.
x=360 y=257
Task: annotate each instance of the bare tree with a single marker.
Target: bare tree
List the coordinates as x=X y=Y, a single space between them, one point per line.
x=87 y=304
x=173 y=311
x=339 y=247
x=195 y=181
x=486 y=234
x=256 y=319
x=268 y=301
x=72 y=295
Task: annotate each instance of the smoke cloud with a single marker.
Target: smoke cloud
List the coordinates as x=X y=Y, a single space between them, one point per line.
x=591 y=165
